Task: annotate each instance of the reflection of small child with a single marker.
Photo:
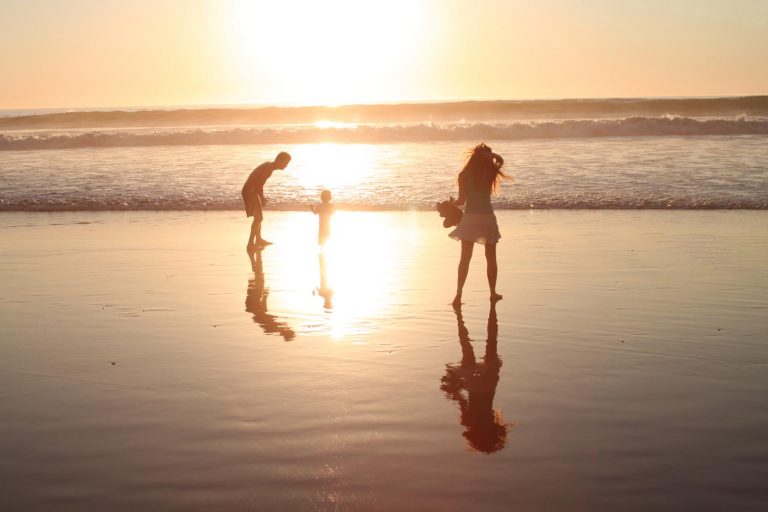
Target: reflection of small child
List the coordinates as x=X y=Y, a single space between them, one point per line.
x=324 y=210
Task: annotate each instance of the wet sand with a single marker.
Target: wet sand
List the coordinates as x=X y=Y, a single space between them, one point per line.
x=147 y=364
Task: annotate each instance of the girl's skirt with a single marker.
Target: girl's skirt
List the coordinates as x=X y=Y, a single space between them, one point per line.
x=477 y=227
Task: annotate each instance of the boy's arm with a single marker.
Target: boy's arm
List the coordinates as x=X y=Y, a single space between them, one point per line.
x=261 y=196
x=266 y=173
x=248 y=185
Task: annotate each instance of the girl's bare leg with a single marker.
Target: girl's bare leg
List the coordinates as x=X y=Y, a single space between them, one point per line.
x=492 y=269
x=466 y=256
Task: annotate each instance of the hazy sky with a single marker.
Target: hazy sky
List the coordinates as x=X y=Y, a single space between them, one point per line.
x=76 y=53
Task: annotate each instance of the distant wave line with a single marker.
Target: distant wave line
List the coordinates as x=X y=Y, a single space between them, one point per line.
x=424 y=132
x=392 y=113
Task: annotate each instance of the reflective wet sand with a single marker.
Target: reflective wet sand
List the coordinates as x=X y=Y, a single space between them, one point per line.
x=146 y=362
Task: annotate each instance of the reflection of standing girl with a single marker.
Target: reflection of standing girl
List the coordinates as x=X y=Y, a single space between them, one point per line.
x=477 y=181
x=485 y=429
x=324 y=211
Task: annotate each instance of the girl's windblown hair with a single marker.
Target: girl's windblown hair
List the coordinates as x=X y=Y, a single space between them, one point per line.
x=483 y=167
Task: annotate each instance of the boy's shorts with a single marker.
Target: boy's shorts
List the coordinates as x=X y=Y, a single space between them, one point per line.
x=253 y=206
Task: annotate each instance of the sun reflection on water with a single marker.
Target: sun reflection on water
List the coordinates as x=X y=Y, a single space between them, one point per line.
x=361 y=271
x=333 y=166
x=345 y=287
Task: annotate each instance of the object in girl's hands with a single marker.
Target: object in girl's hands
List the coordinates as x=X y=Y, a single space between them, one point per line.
x=451 y=213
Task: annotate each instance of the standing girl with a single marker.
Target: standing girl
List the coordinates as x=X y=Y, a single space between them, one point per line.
x=478 y=179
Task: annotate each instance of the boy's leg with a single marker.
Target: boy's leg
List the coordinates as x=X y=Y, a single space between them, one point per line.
x=255 y=233
x=258 y=217
x=260 y=241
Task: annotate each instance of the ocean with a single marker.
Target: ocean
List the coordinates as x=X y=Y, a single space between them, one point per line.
x=675 y=153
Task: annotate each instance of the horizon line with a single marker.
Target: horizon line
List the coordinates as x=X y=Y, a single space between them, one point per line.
x=195 y=106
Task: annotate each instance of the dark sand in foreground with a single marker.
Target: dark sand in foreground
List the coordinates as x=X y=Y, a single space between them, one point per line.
x=144 y=366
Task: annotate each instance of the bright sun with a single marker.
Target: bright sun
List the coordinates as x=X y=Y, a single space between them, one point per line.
x=324 y=52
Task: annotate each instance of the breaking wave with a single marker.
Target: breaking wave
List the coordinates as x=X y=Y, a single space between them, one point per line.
x=638 y=126
x=439 y=112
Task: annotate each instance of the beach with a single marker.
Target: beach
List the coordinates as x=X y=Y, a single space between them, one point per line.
x=226 y=285
x=148 y=364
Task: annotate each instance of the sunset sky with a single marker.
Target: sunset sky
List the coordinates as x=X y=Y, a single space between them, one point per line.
x=80 y=53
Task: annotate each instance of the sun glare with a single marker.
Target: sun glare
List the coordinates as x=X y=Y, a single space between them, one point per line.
x=360 y=243
x=325 y=53
x=341 y=273
x=333 y=166
x=333 y=124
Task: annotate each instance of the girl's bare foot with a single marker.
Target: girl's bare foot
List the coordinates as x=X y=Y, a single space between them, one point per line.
x=496 y=297
x=456 y=301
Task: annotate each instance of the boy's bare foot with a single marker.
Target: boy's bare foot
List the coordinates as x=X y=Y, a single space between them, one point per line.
x=250 y=247
x=456 y=301
x=496 y=297
x=263 y=243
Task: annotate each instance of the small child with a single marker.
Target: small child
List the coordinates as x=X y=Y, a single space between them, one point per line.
x=324 y=210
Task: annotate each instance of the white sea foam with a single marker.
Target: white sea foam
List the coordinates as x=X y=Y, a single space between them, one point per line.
x=702 y=172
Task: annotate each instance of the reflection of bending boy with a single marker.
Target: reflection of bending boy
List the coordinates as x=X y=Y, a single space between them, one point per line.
x=256 y=302
x=486 y=430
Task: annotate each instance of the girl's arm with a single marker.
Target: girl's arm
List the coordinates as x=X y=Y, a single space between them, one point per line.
x=462 y=194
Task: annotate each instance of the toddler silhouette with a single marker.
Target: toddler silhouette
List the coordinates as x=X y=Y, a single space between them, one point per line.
x=324 y=211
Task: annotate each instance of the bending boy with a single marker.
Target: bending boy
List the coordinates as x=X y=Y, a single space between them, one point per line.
x=253 y=197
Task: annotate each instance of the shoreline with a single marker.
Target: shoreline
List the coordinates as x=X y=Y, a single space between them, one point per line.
x=384 y=209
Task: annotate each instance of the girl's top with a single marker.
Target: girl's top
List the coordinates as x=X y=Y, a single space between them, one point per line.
x=478 y=197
